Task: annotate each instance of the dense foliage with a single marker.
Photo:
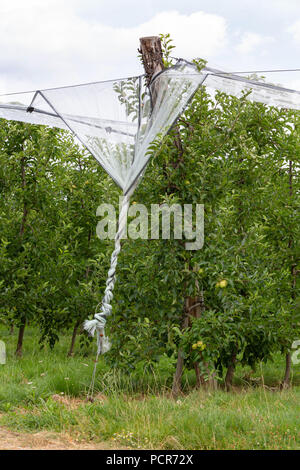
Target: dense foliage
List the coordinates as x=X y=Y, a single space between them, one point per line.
x=49 y=192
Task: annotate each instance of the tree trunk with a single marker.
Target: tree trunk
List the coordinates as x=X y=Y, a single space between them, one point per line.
x=200 y=381
x=287 y=374
x=176 y=388
x=288 y=361
x=75 y=330
x=11 y=329
x=150 y=49
x=196 y=307
x=196 y=310
x=19 y=350
x=230 y=373
x=25 y=209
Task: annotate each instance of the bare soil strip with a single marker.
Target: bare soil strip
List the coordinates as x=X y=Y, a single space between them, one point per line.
x=47 y=441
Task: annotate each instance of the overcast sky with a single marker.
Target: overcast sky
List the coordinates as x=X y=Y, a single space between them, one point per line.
x=47 y=43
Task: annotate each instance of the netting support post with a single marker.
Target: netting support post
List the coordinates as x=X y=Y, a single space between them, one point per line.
x=152 y=58
x=150 y=49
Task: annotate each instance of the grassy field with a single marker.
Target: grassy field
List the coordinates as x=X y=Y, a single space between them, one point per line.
x=45 y=391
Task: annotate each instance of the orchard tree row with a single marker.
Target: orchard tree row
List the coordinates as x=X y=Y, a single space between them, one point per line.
x=50 y=190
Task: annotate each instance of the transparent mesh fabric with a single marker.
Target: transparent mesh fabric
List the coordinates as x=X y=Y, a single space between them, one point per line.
x=105 y=118
x=261 y=92
x=14 y=107
x=174 y=88
x=117 y=120
x=170 y=94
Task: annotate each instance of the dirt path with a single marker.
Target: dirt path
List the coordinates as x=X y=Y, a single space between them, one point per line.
x=44 y=440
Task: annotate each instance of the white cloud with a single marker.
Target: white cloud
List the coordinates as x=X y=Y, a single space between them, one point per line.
x=196 y=34
x=47 y=44
x=294 y=30
x=251 y=41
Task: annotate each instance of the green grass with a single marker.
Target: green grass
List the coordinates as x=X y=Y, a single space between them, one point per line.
x=137 y=412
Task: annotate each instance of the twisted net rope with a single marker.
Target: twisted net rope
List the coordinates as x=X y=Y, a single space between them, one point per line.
x=97 y=325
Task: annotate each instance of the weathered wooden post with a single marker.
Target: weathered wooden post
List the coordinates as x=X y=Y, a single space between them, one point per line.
x=150 y=49
x=151 y=55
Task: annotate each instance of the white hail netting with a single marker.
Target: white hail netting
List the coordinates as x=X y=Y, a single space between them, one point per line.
x=117 y=120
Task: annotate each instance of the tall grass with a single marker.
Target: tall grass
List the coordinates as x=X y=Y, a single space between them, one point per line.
x=197 y=421
x=137 y=411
